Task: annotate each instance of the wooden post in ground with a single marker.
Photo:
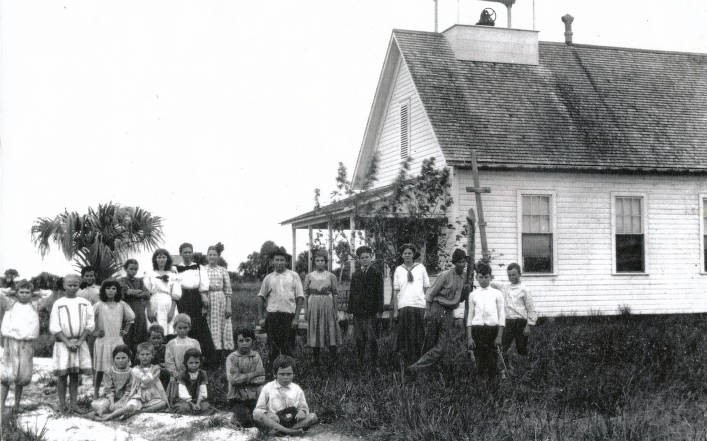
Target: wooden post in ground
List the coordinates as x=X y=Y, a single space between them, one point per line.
x=477 y=189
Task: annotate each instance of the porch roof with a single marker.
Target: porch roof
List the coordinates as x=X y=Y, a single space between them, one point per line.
x=337 y=212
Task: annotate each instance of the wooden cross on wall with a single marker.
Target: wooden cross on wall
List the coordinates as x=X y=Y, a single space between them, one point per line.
x=477 y=189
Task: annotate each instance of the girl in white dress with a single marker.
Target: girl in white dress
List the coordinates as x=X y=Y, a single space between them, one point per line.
x=165 y=290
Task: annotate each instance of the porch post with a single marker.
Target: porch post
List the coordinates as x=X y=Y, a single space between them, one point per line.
x=294 y=247
x=331 y=246
x=352 y=227
x=309 y=251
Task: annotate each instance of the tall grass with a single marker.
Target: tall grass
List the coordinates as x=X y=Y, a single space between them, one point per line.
x=624 y=377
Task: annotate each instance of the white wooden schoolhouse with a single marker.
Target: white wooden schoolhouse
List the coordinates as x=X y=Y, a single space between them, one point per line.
x=596 y=158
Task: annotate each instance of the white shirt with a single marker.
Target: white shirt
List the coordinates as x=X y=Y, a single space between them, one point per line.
x=274 y=398
x=519 y=302
x=411 y=293
x=193 y=279
x=486 y=308
x=21 y=322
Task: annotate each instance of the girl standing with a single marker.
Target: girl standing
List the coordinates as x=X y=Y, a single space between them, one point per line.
x=165 y=290
x=113 y=318
x=410 y=281
x=219 y=303
x=322 y=322
x=136 y=296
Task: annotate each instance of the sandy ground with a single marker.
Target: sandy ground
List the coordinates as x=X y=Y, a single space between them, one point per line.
x=141 y=427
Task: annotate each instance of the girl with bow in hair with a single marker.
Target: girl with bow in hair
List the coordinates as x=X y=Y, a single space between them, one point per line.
x=165 y=290
x=410 y=281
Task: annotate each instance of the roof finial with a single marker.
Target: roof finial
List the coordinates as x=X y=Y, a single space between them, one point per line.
x=567 y=20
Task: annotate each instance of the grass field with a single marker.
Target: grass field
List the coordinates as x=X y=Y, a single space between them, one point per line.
x=625 y=377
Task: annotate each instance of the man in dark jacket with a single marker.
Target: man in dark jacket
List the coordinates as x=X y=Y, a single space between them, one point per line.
x=366 y=303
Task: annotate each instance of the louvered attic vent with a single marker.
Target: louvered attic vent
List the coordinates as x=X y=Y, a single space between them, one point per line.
x=404 y=130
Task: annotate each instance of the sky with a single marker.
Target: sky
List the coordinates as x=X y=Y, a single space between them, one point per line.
x=223 y=116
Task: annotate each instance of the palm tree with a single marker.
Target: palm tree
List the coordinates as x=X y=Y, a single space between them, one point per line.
x=102 y=238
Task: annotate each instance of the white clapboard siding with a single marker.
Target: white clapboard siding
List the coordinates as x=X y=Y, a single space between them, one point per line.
x=583 y=282
x=423 y=143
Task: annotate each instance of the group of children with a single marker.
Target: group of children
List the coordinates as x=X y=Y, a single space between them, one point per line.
x=171 y=375
x=164 y=376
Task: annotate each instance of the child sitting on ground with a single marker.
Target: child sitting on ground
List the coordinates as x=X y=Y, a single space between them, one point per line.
x=174 y=354
x=19 y=330
x=520 y=311
x=116 y=383
x=245 y=374
x=71 y=321
x=192 y=386
x=487 y=317
x=282 y=407
x=146 y=392
x=156 y=337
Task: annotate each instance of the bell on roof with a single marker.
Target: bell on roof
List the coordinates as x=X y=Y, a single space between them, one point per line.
x=487 y=18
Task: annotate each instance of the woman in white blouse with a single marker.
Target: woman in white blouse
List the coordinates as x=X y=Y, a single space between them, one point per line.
x=165 y=290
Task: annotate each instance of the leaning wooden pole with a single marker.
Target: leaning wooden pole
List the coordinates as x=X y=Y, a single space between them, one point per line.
x=479 y=206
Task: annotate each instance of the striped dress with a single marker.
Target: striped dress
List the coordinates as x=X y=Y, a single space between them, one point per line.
x=219 y=291
x=322 y=323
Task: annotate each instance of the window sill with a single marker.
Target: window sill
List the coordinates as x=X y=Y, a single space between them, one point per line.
x=630 y=274
x=539 y=275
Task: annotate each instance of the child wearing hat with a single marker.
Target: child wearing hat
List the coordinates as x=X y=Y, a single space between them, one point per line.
x=448 y=292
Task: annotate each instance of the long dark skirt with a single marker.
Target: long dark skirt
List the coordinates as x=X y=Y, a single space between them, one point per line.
x=191 y=304
x=411 y=333
x=138 y=330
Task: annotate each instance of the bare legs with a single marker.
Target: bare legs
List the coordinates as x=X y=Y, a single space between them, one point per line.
x=73 y=392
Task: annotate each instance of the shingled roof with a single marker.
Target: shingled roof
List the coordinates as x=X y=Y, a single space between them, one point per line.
x=583 y=107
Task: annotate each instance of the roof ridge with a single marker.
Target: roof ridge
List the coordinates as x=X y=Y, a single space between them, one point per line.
x=623 y=48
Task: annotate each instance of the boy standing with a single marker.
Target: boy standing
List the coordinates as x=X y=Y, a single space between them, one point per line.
x=282 y=406
x=520 y=311
x=281 y=296
x=89 y=289
x=20 y=327
x=366 y=303
x=245 y=374
x=487 y=317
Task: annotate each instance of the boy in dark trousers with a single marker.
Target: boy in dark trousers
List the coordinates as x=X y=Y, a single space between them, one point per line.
x=366 y=303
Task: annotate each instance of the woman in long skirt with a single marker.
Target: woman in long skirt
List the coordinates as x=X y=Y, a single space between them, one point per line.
x=219 y=298
x=195 y=288
x=410 y=281
x=322 y=321
x=165 y=290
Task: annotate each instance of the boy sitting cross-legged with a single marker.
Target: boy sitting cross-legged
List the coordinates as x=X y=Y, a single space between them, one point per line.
x=245 y=373
x=282 y=407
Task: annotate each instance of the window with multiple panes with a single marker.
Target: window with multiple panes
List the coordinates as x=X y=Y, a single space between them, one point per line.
x=629 y=234
x=536 y=234
x=404 y=129
x=704 y=233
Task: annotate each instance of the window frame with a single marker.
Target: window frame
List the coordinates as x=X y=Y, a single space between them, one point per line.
x=408 y=103
x=702 y=197
x=644 y=229
x=553 y=229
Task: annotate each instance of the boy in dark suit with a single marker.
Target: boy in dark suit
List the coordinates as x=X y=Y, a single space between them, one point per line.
x=366 y=303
